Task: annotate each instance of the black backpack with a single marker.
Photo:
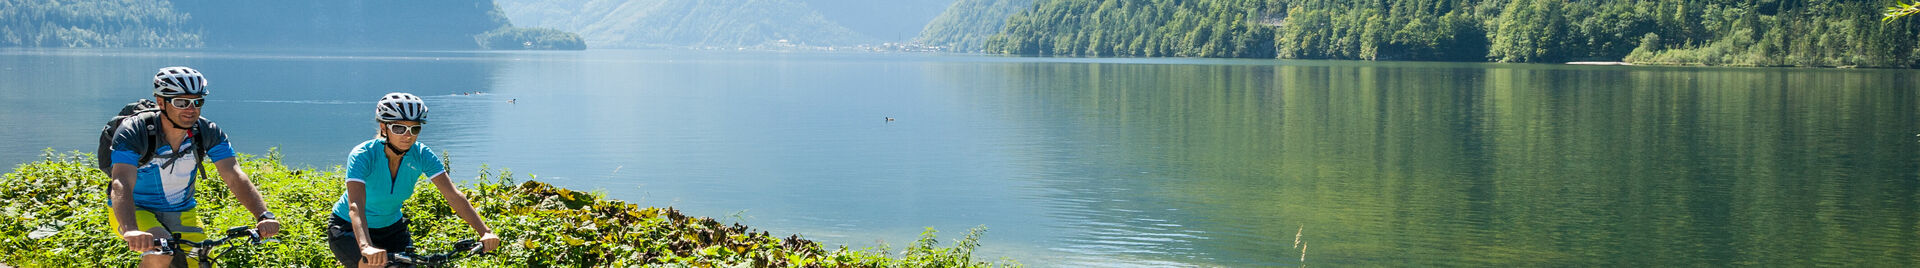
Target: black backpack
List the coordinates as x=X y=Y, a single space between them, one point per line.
x=139 y=110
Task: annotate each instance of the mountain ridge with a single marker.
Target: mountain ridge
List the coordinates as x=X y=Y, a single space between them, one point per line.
x=685 y=23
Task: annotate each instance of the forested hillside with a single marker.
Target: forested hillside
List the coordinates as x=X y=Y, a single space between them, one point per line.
x=413 y=24
x=1723 y=32
x=968 y=23
x=100 y=23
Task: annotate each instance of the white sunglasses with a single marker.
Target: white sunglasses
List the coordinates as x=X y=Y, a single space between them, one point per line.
x=398 y=129
x=184 y=103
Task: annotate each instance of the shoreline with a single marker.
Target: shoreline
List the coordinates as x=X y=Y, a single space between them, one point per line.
x=854 y=50
x=1601 y=63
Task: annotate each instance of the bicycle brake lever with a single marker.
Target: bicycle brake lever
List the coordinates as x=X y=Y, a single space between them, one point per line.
x=253 y=236
x=161 y=246
x=399 y=257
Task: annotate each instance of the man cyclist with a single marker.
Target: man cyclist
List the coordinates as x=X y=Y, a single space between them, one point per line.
x=154 y=198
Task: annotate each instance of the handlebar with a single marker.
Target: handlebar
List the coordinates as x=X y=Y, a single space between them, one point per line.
x=460 y=249
x=165 y=246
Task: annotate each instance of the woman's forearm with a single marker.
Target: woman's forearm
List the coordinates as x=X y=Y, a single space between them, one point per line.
x=461 y=206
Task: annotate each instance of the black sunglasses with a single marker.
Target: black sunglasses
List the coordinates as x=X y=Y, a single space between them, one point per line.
x=398 y=129
x=183 y=103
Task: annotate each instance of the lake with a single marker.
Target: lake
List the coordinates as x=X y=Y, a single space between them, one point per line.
x=1073 y=162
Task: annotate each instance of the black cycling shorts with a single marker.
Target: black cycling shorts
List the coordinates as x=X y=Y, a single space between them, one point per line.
x=393 y=238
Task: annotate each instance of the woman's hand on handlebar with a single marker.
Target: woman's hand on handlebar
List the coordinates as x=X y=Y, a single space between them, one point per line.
x=372 y=256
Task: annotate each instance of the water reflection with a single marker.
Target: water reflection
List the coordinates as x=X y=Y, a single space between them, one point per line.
x=1470 y=164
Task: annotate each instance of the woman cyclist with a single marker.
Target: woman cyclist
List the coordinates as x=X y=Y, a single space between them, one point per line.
x=371 y=205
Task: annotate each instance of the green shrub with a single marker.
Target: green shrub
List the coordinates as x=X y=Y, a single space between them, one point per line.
x=56 y=217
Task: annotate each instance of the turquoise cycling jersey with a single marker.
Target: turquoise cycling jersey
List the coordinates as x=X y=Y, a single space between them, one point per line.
x=386 y=191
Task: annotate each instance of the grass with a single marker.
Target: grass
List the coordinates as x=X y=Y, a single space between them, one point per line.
x=55 y=216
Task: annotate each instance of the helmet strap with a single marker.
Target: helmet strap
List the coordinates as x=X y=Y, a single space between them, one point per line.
x=169 y=117
x=396 y=150
x=389 y=144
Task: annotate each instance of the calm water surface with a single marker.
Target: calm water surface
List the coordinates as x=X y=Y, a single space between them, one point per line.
x=1113 y=162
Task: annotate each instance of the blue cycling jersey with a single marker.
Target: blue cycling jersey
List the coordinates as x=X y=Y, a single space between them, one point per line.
x=165 y=182
x=386 y=191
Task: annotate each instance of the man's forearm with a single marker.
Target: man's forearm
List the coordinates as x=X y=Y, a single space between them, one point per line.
x=242 y=187
x=248 y=195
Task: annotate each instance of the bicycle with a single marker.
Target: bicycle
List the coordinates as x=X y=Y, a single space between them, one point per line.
x=203 y=251
x=409 y=259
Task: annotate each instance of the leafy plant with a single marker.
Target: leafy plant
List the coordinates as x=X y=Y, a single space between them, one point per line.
x=58 y=219
x=1900 y=10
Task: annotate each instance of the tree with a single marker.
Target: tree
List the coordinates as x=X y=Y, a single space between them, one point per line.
x=1709 y=32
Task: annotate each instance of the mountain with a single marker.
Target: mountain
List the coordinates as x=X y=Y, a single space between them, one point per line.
x=416 y=24
x=968 y=23
x=887 y=20
x=685 y=23
x=356 y=24
x=102 y=23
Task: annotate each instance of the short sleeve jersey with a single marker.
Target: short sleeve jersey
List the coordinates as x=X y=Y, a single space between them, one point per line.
x=386 y=191
x=165 y=182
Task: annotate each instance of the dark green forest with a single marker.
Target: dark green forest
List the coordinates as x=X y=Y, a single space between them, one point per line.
x=516 y=38
x=1677 y=32
x=968 y=23
x=414 y=24
x=99 y=23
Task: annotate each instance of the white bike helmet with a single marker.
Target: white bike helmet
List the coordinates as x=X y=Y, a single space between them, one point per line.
x=179 y=80
x=400 y=107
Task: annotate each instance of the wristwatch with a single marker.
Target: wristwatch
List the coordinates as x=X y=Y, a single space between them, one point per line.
x=265 y=216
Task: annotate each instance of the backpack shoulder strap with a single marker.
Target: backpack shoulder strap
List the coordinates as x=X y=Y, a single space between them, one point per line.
x=207 y=135
x=147 y=121
x=201 y=129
